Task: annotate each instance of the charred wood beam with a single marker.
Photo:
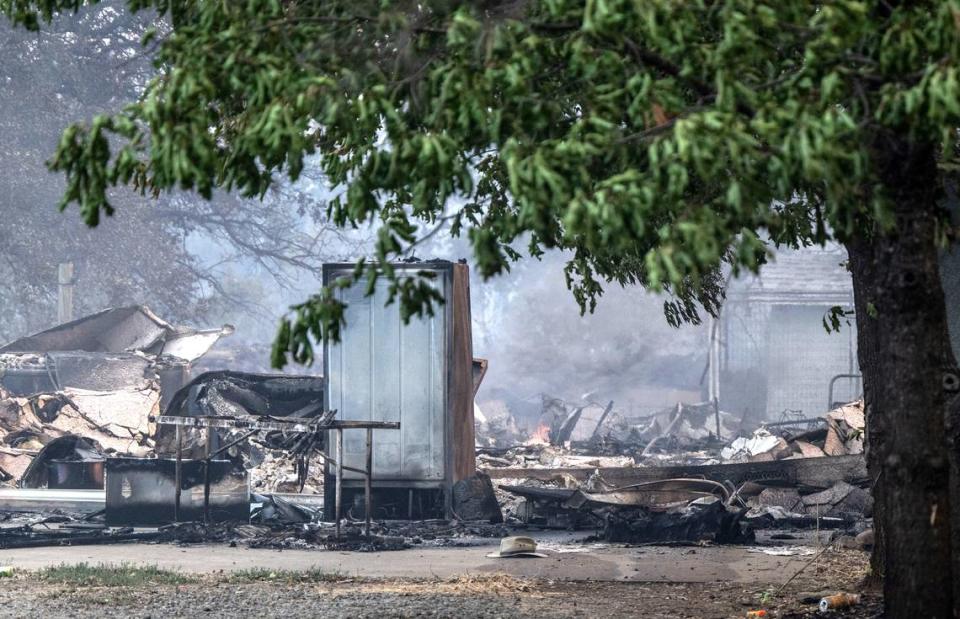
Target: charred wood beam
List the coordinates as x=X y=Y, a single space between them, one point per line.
x=809 y=473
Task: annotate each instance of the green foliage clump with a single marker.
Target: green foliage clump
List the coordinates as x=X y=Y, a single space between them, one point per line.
x=655 y=141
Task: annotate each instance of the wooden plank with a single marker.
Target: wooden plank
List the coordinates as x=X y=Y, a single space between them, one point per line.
x=810 y=473
x=461 y=378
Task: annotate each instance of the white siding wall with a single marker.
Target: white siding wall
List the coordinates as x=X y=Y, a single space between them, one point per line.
x=383 y=370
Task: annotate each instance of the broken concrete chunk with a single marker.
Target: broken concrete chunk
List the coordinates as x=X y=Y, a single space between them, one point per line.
x=787 y=498
x=841 y=499
x=845 y=428
x=808 y=450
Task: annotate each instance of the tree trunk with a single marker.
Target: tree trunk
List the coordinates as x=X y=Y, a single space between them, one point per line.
x=863 y=268
x=901 y=327
x=951 y=384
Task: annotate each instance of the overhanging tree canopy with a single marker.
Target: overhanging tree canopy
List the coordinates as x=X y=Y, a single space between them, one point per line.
x=651 y=140
x=654 y=140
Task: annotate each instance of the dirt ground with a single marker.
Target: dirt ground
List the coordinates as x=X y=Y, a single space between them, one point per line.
x=279 y=593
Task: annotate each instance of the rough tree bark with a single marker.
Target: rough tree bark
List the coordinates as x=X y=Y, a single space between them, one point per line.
x=901 y=327
x=863 y=270
x=951 y=378
x=951 y=384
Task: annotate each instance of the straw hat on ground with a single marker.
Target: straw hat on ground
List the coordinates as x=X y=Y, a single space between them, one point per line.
x=518 y=546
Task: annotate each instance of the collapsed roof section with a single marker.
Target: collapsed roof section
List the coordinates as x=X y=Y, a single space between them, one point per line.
x=98 y=378
x=226 y=392
x=123 y=329
x=26 y=374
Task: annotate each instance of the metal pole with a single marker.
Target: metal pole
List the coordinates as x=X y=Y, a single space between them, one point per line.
x=368 y=479
x=206 y=478
x=716 y=413
x=339 y=472
x=178 y=475
x=714 y=383
x=65 y=283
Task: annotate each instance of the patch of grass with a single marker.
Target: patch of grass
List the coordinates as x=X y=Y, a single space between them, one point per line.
x=111 y=575
x=262 y=574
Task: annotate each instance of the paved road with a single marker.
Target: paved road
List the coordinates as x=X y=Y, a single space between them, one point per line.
x=566 y=561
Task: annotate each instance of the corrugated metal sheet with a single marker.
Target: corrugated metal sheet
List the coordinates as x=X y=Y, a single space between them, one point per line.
x=383 y=370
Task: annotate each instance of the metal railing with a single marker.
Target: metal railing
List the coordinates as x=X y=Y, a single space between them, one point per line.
x=253 y=425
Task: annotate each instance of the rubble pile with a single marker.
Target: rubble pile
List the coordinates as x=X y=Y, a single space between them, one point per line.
x=29 y=530
x=686 y=428
x=702 y=520
x=116 y=420
x=682 y=435
x=682 y=509
x=385 y=536
x=665 y=510
x=841 y=500
x=706 y=489
x=496 y=426
x=841 y=434
x=591 y=434
x=275 y=462
x=100 y=377
x=88 y=389
x=277 y=472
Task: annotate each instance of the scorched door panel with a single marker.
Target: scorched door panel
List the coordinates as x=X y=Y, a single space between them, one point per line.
x=384 y=370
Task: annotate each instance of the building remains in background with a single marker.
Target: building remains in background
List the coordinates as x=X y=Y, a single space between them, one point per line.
x=106 y=409
x=777 y=361
x=99 y=377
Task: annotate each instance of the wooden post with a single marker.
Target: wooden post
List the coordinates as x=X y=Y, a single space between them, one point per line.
x=65 y=283
x=368 y=480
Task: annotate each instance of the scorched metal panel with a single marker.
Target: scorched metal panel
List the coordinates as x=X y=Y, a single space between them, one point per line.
x=384 y=370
